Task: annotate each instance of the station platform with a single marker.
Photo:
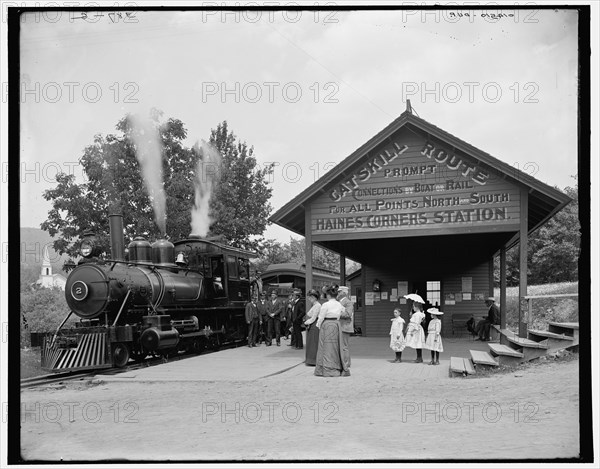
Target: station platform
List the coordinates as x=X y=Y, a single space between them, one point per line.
x=371 y=357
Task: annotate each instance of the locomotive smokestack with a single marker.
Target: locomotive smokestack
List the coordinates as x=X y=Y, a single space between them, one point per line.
x=117 y=241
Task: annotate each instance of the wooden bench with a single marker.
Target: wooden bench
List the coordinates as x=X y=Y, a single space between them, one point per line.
x=459 y=322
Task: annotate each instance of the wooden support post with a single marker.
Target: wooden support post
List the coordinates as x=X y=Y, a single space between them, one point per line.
x=523 y=262
x=308 y=248
x=491 y=277
x=503 y=287
x=363 y=275
x=342 y=270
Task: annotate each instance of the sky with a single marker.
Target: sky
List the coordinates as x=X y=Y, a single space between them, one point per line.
x=304 y=88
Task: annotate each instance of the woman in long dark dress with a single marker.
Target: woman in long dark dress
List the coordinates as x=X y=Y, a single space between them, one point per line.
x=329 y=353
x=312 y=332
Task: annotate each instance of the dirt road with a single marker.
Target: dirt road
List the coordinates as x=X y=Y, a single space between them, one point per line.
x=530 y=413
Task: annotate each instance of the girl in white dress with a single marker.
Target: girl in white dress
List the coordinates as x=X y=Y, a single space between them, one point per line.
x=434 y=337
x=415 y=335
x=397 y=335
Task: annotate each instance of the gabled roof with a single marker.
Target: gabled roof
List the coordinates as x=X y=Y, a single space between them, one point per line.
x=544 y=200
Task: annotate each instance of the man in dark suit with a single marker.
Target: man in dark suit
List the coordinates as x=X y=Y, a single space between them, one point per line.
x=483 y=327
x=298 y=313
x=275 y=308
x=346 y=323
x=253 y=320
x=262 y=311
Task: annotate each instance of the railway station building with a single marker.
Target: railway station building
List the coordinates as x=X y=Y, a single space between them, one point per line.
x=422 y=212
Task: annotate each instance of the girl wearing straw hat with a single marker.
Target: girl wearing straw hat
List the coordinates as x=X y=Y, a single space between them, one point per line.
x=434 y=338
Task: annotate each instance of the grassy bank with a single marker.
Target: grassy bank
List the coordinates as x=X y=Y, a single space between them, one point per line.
x=30 y=363
x=544 y=309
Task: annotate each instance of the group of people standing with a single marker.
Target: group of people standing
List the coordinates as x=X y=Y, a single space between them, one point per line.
x=328 y=329
x=328 y=323
x=271 y=318
x=415 y=334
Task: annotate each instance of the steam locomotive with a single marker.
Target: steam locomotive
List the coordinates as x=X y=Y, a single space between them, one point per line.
x=165 y=298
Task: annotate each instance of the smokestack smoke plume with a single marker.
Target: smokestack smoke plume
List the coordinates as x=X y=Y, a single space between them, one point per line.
x=207 y=173
x=149 y=155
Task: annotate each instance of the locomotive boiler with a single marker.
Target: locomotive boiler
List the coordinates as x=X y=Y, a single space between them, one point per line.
x=164 y=298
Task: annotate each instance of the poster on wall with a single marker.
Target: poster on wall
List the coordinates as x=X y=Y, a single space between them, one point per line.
x=402 y=288
x=479 y=296
x=458 y=297
x=466 y=296
x=449 y=302
x=467 y=284
x=369 y=298
x=376 y=296
x=384 y=295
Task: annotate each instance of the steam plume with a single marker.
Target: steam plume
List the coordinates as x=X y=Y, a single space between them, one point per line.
x=149 y=155
x=207 y=173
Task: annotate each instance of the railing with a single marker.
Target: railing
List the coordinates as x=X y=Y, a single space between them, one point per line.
x=528 y=318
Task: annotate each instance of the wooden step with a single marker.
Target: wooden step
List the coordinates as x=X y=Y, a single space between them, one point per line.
x=507 y=333
x=482 y=358
x=548 y=334
x=521 y=342
x=565 y=325
x=461 y=365
x=498 y=349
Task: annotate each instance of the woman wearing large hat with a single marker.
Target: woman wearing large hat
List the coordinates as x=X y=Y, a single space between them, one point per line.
x=329 y=353
x=312 y=332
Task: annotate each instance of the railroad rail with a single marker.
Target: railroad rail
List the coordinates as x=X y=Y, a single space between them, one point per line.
x=59 y=378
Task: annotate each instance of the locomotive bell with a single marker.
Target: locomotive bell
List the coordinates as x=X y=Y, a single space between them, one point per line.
x=181 y=260
x=163 y=253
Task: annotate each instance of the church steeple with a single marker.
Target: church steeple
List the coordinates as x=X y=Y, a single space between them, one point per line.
x=46 y=265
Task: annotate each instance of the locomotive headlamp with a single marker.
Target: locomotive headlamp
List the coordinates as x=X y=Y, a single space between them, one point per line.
x=86 y=249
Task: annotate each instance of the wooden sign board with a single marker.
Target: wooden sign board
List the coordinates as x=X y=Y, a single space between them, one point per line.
x=413 y=185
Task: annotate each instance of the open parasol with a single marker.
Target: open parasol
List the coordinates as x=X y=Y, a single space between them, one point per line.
x=414 y=297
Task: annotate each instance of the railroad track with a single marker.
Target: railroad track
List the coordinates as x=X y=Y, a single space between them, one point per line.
x=68 y=376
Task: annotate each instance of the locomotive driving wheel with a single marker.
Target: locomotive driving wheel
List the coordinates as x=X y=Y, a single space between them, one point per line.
x=120 y=354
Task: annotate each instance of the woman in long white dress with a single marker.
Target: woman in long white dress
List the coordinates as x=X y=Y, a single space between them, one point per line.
x=312 y=332
x=329 y=353
x=415 y=335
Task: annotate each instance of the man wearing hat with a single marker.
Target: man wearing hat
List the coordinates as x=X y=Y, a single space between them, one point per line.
x=262 y=310
x=256 y=285
x=298 y=313
x=274 y=310
x=346 y=323
x=483 y=327
x=253 y=320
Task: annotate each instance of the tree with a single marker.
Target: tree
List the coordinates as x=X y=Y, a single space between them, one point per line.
x=553 y=251
x=114 y=181
x=240 y=205
x=273 y=252
x=556 y=245
x=42 y=310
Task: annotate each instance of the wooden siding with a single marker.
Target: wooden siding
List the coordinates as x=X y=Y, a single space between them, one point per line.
x=401 y=188
x=376 y=319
